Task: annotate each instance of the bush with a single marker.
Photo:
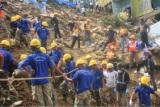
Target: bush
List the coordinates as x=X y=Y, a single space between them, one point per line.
x=113 y=20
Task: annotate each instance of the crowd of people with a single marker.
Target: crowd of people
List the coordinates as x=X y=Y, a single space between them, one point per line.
x=105 y=82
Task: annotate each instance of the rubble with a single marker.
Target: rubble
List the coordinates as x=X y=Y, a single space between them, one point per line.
x=23 y=96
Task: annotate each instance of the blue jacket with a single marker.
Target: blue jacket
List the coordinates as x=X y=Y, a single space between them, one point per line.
x=69 y=66
x=43 y=33
x=14 y=24
x=98 y=79
x=8 y=59
x=37 y=25
x=40 y=63
x=56 y=55
x=83 y=80
x=144 y=95
x=24 y=25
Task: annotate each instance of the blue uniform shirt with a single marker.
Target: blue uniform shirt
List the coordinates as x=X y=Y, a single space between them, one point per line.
x=37 y=25
x=43 y=34
x=98 y=76
x=82 y=80
x=13 y=24
x=40 y=63
x=8 y=59
x=144 y=94
x=24 y=25
x=69 y=66
x=56 y=55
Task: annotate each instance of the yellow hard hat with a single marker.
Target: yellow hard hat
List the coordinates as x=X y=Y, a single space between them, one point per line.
x=35 y=43
x=53 y=45
x=5 y=42
x=43 y=50
x=92 y=62
x=104 y=62
x=66 y=57
x=144 y=80
x=45 y=24
x=23 y=57
x=109 y=65
x=80 y=62
x=52 y=15
x=13 y=19
x=132 y=37
x=18 y=17
x=88 y=57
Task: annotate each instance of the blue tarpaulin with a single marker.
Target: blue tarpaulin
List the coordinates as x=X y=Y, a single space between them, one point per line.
x=67 y=3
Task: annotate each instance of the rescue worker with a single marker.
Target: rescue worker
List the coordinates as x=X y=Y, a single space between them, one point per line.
x=82 y=79
x=40 y=63
x=123 y=80
x=43 y=33
x=20 y=72
x=69 y=65
x=132 y=48
x=110 y=77
x=144 y=30
x=56 y=53
x=123 y=32
x=37 y=23
x=110 y=35
x=97 y=82
x=87 y=36
x=23 y=30
x=113 y=48
x=43 y=50
x=7 y=56
x=76 y=36
x=55 y=24
x=144 y=91
x=13 y=25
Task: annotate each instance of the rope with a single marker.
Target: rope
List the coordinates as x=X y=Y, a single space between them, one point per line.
x=23 y=79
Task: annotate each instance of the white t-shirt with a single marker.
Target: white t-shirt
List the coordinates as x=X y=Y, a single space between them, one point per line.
x=111 y=78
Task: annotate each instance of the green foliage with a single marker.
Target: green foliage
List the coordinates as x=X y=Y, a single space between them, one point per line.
x=113 y=20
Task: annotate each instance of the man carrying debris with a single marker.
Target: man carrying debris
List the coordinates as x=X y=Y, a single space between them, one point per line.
x=144 y=91
x=43 y=33
x=82 y=79
x=55 y=24
x=40 y=63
